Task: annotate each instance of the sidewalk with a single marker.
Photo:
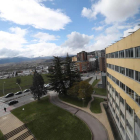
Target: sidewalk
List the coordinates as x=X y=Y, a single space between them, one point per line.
x=10 y=123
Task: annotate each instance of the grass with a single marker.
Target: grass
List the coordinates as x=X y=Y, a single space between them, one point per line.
x=49 y=122
x=95 y=105
x=74 y=101
x=1 y=136
x=95 y=82
x=11 y=86
x=100 y=91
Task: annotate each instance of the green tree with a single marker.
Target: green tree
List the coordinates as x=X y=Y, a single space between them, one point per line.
x=18 y=80
x=37 y=85
x=57 y=77
x=72 y=75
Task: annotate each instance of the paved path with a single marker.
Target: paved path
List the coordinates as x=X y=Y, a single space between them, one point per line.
x=100 y=96
x=99 y=132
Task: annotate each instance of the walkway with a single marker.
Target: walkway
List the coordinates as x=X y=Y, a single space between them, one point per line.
x=98 y=130
x=13 y=128
x=99 y=96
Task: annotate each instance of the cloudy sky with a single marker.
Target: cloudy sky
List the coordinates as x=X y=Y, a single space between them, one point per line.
x=33 y=28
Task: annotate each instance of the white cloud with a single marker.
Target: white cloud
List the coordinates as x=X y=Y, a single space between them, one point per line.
x=126 y=33
x=113 y=10
x=34 y=13
x=13 y=40
x=98 y=28
x=77 y=40
x=43 y=37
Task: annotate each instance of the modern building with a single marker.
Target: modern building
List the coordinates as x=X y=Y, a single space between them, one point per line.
x=102 y=64
x=82 y=66
x=82 y=56
x=74 y=58
x=123 y=85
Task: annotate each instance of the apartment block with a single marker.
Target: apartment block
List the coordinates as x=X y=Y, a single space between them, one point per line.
x=123 y=85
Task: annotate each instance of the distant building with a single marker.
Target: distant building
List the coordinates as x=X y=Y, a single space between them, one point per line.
x=74 y=58
x=82 y=56
x=102 y=64
x=82 y=66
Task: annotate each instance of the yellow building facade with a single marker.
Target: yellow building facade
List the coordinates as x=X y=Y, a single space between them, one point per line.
x=123 y=84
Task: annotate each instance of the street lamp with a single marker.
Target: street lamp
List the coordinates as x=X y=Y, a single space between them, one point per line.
x=83 y=101
x=19 y=86
x=3 y=87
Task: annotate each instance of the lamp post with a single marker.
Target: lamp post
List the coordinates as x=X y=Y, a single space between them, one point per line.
x=19 y=86
x=83 y=101
x=3 y=87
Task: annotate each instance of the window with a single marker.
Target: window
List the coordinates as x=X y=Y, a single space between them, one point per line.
x=113 y=79
x=129 y=126
x=116 y=54
x=122 y=86
x=121 y=126
x=116 y=93
x=137 y=98
x=130 y=92
x=122 y=70
x=121 y=100
x=122 y=115
x=117 y=68
x=112 y=89
x=137 y=120
x=130 y=73
x=117 y=106
x=112 y=55
x=129 y=109
x=113 y=67
x=121 y=54
x=129 y=53
x=117 y=117
x=137 y=51
x=137 y=76
x=117 y=82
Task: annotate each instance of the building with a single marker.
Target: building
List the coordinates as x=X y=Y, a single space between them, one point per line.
x=102 y=64
x=82 y=66
x=123 y=85
x=74 y=58
x=82 y=56
x=102 y=83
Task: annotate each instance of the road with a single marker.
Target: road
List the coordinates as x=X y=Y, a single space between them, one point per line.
x=97 y=129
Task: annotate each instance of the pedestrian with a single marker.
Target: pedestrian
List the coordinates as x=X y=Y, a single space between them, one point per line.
x=5 y=109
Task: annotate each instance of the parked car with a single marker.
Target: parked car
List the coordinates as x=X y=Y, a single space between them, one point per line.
x=19 y=92
x=26 y=90
x=47 y=86
x=9 y=95
x=12 y=102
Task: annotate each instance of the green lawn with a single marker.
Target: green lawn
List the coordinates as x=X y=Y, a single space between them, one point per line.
x=75 y=101
x=11 y=86
x=95 y=82
x=100 y=91
x=1 y=136
x=49 y=122
x=95 y=105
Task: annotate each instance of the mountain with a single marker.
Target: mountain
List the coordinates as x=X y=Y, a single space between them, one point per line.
x=21 y=59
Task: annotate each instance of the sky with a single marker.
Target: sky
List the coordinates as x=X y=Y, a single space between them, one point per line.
x=33 y=28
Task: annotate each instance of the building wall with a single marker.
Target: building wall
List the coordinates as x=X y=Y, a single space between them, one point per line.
x=74 y=58
x=133 y=63
x=102 y=64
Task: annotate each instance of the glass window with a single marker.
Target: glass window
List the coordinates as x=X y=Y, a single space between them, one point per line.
x=122 y=86
x=130 y=73
x=121 y=126
x=137 y=120
x=122 y=115
x=117 y=117
x=129 y=109
x=113 y=67
x=117 y=68
x=130 y=92
x=116 y=54
x=116 y=93
x=121 y=54
x=137 y=76
x=122 y=70
x=129 y=126
x=112 y=55
x=137 y=98
x=137 y=51
x=121 y=100
x=117 y=82
x=129 y=53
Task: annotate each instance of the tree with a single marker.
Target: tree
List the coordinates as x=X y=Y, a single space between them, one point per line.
x=56 y=77
x=37 y=86
x=72 y=75
x=81 y=90
x=18 y=80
